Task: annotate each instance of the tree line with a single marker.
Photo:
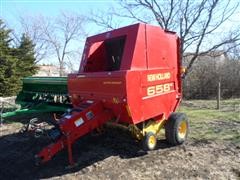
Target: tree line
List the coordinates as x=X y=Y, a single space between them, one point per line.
x=208 y=71
x=16 y=61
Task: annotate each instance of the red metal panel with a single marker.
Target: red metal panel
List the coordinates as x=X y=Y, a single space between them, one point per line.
x=100 y=86
x=161 y=48
x=130 y=32
x=139 y=59
x=149 y=99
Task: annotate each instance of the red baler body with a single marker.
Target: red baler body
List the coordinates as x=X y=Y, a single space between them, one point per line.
x=148 y=81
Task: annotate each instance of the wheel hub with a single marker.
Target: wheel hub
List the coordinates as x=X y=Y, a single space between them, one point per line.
x=182 y=129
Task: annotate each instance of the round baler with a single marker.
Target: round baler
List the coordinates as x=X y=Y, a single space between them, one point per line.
x=131 y=76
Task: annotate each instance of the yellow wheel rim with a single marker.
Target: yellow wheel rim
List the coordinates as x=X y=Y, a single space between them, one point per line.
x=182 y=129
x=152 y=142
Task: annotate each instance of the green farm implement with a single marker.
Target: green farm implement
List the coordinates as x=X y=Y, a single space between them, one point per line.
x=38 y=95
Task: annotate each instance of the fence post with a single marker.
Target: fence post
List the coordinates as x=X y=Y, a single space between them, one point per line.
x=218 y=94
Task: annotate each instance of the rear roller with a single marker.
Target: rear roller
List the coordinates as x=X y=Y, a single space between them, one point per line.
x=177 y=128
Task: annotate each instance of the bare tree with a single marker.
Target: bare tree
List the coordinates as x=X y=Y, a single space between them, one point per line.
x=198 y=23
x=63 y=35
x=102 y=19
x=58 y=37
x=32 y=26
x=233 y=51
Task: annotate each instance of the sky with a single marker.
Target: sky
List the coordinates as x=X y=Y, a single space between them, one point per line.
x=10 y=10
x=50 y=7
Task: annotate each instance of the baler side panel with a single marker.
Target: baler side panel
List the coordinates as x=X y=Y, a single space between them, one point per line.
x=159 y=48
x=155 y=90
x=108 y=88
x=97 y=86
x=143 y=105
x=163 y=51
x=163 y=54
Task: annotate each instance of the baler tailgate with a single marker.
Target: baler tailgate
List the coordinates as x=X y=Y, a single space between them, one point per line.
x=74 y=125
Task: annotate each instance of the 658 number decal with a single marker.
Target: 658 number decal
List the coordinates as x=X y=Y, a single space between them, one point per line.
x=159 y=89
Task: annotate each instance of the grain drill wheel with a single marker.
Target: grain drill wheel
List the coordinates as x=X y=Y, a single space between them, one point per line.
x=150 y=141
x=176 y=128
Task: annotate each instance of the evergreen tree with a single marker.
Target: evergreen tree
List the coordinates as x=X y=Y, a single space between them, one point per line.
x=26 y=61
x=8 y=76
x=15 y=62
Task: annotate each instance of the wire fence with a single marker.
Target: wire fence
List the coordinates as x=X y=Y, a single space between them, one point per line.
x=210 y=93
x=224 y=99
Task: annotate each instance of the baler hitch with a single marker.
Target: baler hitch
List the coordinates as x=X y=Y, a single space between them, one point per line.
x=74 y=124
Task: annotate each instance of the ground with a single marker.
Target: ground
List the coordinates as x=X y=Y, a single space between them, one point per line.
x=212 y=151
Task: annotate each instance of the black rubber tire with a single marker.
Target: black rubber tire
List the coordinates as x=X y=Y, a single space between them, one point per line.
x=172 y=128
x=146 y=141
